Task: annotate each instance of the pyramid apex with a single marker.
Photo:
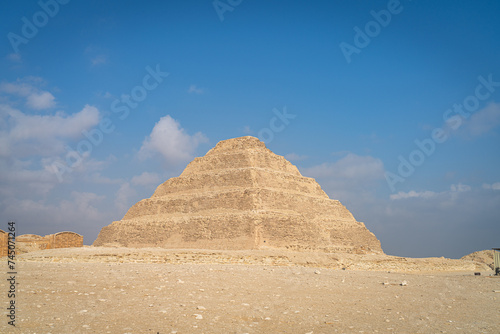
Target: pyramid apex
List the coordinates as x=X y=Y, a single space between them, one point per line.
x=241 y=152
x=238 y=144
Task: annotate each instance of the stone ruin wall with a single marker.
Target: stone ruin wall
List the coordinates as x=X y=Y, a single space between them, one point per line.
x=3 y=243
x=32 y=242
x=65 y=240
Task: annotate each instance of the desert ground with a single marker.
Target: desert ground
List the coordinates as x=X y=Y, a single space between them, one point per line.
x=120 y=290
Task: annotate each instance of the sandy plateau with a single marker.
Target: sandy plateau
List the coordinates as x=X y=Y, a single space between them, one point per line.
x=153 y=290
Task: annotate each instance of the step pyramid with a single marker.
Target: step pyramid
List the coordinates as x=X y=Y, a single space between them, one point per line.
x=240 y=195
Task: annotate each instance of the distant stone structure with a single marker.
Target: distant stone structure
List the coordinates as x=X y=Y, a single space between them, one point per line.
x=32 y=242
x=240 y=195
x=4 y=247
x=65 y=239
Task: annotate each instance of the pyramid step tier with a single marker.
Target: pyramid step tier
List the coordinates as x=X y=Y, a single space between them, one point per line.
x=248 y=177
x=239 y=199
x=241 y=159
x=259 y=230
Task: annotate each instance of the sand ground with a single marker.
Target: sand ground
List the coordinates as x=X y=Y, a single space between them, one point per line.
x=56 y=296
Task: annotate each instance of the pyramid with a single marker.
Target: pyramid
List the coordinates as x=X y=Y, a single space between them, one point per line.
x=240 y=195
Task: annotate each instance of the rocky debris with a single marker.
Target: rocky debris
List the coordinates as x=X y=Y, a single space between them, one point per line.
x=269 y=259
x=485 y=256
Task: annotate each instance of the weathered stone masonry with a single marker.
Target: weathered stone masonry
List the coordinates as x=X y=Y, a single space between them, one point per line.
x=31 y=242
x=3 y=243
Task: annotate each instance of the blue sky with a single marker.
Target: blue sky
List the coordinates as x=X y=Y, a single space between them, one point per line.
x=100 y=102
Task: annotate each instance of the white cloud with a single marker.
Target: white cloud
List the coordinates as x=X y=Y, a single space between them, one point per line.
x=413 y=194
x=196 y=90
x=40 y=101
x=295 y=157
x=124 y=197
x=22 y=134
x=351 y=167
x=89 y=165
x=349 y=178
x=447 y=222
x=27 y=88
x=485 y=120
x=493 y=186
x=97 y=178
x=460 y=187
x=81 y=212
x=14 y=172
x=59 y=125
x=31 y=144
x=83 y=201
x=482 y=121
x=67 y=214
x=146 y=179
x=452 y=193
x=19 y=89
x=171 y=142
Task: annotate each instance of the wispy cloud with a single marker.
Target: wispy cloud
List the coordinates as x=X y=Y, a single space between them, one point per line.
x=30 y=143
x=247 y=130
x=480 y=123
x=194 y=89
x=146 y=179
x=462 y=216
x=17 y=88
x=48 y=217
x=295 y=157
x=14 y=172
x=413 y=194
x=14 y=57
x=97 y=178
x=426 y=194
x=346 y=178
x=96 y=55
x=35 y=98
x=99 y=59
x=493 y=186
x=124 y=197
x=23 y=134
x=351 y=167
x=484 y=121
